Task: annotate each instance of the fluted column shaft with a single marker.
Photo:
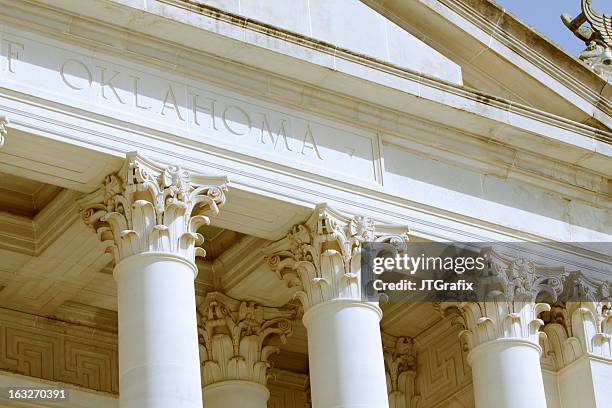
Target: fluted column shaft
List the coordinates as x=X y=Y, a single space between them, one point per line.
x=148 y=216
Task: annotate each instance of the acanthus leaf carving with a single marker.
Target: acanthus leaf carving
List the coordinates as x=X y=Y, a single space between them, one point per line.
x=146 y=207
x=511 y=292
x=322 y=257
x=3 y=130
x=582 y=323
x=400 y=370
x=234 y=338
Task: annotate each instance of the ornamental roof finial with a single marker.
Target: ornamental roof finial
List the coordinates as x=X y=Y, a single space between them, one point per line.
x=597 y=36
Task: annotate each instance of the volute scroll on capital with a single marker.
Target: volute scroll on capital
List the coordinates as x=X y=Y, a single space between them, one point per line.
x=148 y=207
x=321 y=258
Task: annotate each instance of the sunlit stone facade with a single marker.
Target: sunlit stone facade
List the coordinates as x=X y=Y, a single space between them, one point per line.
x=186 y=188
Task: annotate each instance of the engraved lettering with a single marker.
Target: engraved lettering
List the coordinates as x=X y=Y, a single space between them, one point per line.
x=136 y=93
x=246 y=121
x=108 y=83
x=282 y=133
x=82 y=67
x=211 y=111
x=14 y=53
x=170 y=97
x=309 y=143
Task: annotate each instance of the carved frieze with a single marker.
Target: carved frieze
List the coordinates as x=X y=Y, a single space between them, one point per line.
x=146 y=207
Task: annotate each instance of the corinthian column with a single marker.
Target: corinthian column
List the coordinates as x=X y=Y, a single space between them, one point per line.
x=322 y=258
x=235 y=349
x=149 y=215
x=502 y=333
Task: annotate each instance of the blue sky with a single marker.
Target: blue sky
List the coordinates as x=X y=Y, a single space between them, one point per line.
x=543 y=16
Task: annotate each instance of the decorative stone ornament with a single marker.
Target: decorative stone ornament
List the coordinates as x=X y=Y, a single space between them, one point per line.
x=400 y=369
x=3 y=132
x=147 y=207
x=581 y=327
x=508 y=308
x=502 y=332
x=322 y=260
x=234 y=338
x=322 y=256
x=597 y=37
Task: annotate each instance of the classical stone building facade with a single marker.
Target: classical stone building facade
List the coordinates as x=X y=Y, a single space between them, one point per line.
x=186 y=187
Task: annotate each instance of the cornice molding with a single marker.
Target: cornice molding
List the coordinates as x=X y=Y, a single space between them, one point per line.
x=372 y=114
x=475 y=11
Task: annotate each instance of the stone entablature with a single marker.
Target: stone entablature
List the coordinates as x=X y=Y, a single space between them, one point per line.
x=146 y=207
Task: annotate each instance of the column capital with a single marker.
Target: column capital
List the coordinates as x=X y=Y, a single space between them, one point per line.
x=400 y=369
x=581 y=327
x=3 y=131
x=507 y=306
x=322 y=256
x=148 y=207
x=235 y=335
